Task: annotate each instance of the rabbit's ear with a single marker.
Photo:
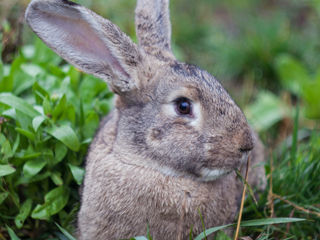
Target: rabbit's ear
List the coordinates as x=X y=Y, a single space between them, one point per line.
x=153 y=26
x=86 y=40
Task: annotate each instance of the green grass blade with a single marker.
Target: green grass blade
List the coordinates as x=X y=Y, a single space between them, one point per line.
x=249 y=223
x=269 y=221
x=65 y=232
x=12 y=234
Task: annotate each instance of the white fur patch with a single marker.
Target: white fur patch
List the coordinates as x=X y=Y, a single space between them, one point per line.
x=196 y=121
x=208 y=174
x=168 y=171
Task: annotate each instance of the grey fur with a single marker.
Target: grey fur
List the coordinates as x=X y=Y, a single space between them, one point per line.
x=148 y=165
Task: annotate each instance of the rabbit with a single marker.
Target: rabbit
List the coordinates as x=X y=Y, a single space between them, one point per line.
x=164 y=158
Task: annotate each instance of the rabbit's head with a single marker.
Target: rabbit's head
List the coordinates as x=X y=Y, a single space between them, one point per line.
x=174 y=115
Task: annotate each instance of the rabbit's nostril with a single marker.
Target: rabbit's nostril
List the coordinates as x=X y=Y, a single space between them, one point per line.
x=245 y=149
x=246 y=144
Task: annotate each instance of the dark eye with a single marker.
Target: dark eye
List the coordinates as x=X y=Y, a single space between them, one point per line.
x=183 y=106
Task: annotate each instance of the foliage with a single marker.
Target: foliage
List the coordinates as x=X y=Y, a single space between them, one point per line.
x=49 y=113
x=295 y=176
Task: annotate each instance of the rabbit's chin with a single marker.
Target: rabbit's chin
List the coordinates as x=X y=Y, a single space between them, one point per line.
x=207 y=174
x=204 y=174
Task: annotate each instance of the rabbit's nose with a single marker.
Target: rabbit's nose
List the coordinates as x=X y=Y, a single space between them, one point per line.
x=247 y=142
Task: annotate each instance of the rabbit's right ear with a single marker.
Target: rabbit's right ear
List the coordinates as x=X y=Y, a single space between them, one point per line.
x=86 y=40
x=153 y=27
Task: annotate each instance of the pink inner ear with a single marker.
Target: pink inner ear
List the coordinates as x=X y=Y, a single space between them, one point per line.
x=78 y=38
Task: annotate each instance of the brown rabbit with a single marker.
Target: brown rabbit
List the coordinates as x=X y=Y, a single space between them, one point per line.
x=170 y=147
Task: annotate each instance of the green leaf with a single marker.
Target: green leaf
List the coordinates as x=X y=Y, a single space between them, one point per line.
x=19 y=104
x=23 y=213
x=39 y=93
x=6 y=150
x=12 y=234
x=34 y=166
x=222 y=236
x=6 y=170
x=60 y=152
x=66 y=135
x=91 y=124
x=266 y=111
x=3 y=196
x=292 y=73
x=60 y=108
x=212 y=230
x=56 y=178
x=250 y=223
x=46 y=106
x=77 y=173
x=32 y=69
x=65 y=232
x=26 y=133
x=55 y=201
x=37 y=121
x=269 y=221
x=310 y=94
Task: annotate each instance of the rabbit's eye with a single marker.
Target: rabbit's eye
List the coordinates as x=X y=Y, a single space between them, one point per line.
x=183 y=106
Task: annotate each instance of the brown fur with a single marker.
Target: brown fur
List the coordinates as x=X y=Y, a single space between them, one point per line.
x=149 y=165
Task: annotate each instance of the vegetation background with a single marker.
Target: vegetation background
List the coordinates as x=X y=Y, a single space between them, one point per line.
x=265 y=52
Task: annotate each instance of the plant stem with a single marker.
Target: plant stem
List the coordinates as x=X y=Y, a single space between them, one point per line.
x=242 y=199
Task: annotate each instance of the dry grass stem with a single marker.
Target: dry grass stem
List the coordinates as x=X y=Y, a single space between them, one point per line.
x=295 y=205
x=242 y=200
x=270 y=194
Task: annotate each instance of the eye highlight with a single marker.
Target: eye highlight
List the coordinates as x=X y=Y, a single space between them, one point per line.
x=183 y=106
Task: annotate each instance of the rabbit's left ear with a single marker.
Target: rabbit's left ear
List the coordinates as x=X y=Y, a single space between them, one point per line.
x=86 y=40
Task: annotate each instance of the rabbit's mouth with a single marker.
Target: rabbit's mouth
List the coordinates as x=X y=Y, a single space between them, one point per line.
x=207 y=174
x=211 y=174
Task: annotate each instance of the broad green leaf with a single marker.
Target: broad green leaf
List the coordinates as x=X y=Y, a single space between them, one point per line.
x=3 y=196
x=23 y=121
x=6 y=150
x=55 y=201
x=32 y=69
x=60 y=151
x=26 y=133
x=23 y=213
x=66 y=135
x=266 y=111
x=39 y=92
x=310 y=93
x=10 y=113
x=34 y=166
x=12 y=234
x=65 y=232
x=91 y=124
x=56 y=178
x=37 y=121
x=74 y=75
x=19 y=104
x=292 y=73
x=6 y=170
x=77 y=173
